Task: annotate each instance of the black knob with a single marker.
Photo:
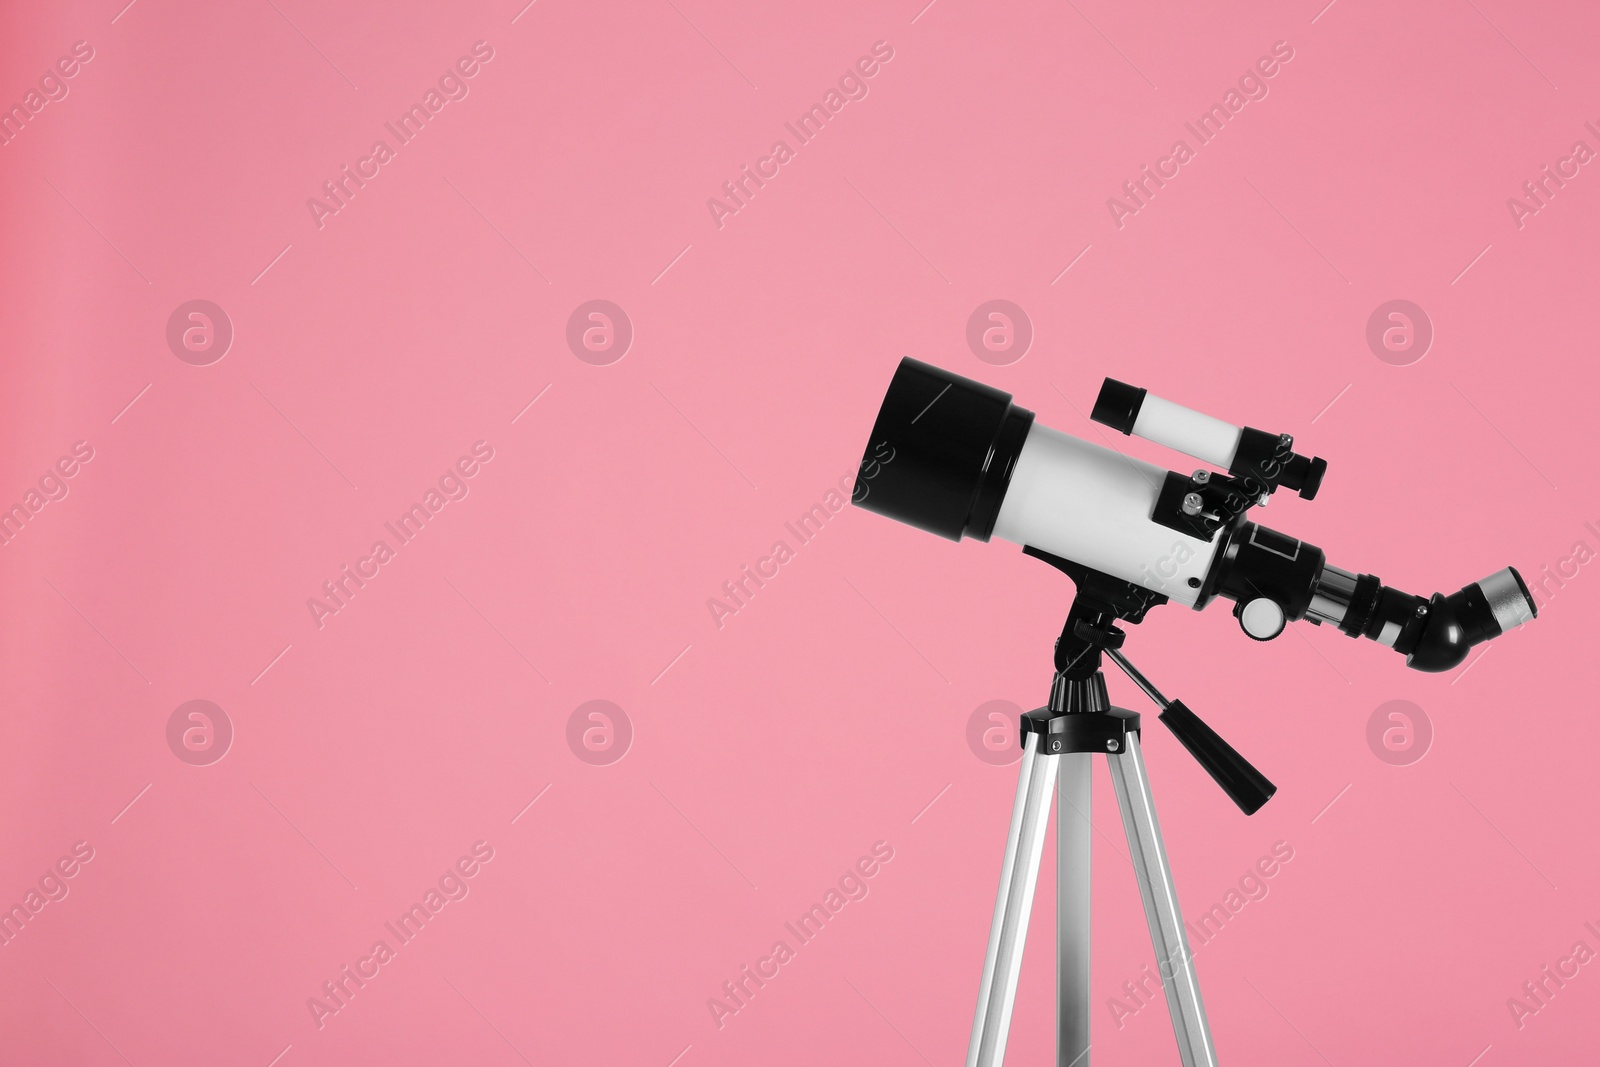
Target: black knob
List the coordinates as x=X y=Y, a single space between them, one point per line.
x=1261 y=618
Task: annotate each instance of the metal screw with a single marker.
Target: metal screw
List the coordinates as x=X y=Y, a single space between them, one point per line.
x=1422 y=609
x=1201 y=477
x=1192 y=503
x=1111 y=745
x=1055 y=746
x=1261 y=501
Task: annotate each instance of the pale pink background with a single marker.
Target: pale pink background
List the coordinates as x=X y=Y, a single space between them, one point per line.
x=825 y=716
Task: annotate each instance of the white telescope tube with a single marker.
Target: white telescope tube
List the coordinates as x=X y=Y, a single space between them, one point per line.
x=1077 y=500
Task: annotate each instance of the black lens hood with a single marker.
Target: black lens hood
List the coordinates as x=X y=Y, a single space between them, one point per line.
x=943 y=449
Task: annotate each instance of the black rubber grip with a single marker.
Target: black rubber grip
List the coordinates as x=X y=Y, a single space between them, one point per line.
x=1245 y=785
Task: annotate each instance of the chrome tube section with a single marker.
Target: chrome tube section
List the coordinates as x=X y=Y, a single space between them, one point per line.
x=1138 y=678
x=1161 y=910
x=1073 y=834
x=1330 y=601
x=1013 y=905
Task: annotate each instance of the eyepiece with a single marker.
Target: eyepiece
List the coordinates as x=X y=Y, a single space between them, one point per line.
x=1470 y=617
x=946 y=447
x=1509 y=599
x=1434 y=634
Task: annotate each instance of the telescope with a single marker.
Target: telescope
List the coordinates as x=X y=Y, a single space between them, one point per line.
x=957 y=458
x=970 y=463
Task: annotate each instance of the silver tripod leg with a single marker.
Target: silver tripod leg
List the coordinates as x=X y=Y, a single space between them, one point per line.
x=1013 y=906
x=1173 y=958
x=1073 y=833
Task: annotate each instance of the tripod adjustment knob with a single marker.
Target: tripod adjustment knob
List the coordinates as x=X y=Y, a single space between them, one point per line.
x=1261 y=619
x=1103 y=636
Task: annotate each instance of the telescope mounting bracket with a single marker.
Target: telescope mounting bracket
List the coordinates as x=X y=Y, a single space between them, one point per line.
x=1102 y=601
x=1078 y=691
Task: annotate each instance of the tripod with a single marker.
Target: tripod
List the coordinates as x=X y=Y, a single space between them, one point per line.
x=1058 y=741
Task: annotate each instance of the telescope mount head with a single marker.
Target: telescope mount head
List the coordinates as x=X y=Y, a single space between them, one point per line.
x=1101 y=602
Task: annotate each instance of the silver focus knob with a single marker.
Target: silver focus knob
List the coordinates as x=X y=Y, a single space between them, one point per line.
x=1261 y=618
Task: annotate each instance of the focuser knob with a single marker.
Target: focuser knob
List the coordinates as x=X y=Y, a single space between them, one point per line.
x=1261 y=619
